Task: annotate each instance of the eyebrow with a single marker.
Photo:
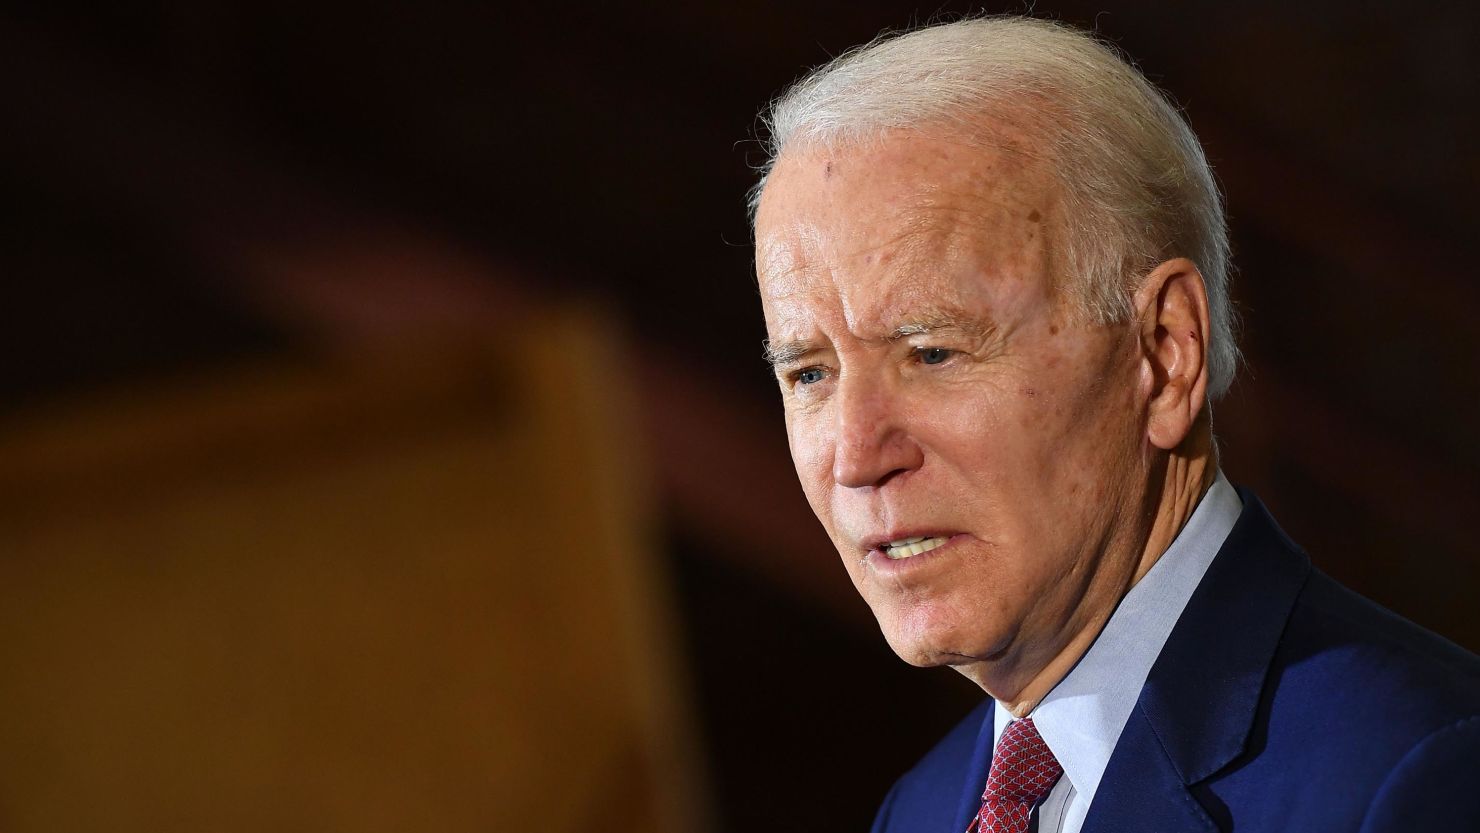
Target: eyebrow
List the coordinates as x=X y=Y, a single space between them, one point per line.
x=778 y=354
x=786 y=352
x=944 y=319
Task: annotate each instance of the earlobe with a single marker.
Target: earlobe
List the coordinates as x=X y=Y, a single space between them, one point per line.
x=1173 y=307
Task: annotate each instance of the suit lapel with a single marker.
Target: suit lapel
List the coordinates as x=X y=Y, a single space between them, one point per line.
x=976 y=772
x=1196 y=709
x=1141 y=790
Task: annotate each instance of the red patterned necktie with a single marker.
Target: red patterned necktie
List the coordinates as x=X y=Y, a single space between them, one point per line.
x=1023 y=771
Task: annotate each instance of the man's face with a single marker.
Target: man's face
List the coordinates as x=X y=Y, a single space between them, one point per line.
x=935 y=387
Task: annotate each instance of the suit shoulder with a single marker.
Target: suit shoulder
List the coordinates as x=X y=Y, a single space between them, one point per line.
x=1354 y=687
x=1394 y=663
x=1357 y=703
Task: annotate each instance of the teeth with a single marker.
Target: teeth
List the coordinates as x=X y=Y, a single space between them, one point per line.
x=907 y=547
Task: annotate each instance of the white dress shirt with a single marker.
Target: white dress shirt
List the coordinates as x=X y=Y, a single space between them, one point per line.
x=1082 y=717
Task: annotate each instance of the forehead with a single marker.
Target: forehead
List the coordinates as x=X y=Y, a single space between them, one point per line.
x=910 y=219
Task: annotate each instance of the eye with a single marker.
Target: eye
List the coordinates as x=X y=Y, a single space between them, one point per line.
x=932 y=355
x=809 y=376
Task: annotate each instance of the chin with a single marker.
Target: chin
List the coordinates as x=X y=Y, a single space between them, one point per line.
x=917 y=655
x=927 y=642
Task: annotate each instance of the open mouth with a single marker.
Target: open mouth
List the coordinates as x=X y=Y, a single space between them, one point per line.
x=910 y=547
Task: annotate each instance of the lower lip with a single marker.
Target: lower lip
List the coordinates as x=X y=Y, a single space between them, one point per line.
x=899 y=567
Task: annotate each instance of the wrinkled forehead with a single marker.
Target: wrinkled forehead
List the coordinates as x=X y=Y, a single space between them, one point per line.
x=911 y=160
x=898 y=218
x=905 y=180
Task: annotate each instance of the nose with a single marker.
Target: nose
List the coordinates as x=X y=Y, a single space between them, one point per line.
x=873 y=441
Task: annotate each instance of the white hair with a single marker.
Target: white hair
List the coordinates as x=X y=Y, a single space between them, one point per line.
x=1137 y=189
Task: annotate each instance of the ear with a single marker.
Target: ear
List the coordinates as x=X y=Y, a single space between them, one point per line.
x=1172 y=310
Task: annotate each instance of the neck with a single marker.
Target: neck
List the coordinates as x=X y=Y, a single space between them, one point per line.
x=1186 y=475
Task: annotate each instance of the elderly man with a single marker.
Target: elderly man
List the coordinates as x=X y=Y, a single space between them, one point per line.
x=994 y=270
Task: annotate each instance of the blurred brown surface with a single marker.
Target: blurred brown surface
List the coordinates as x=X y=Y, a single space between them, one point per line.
x=392 y=593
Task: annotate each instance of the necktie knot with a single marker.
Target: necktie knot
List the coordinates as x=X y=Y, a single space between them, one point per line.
x=1023 y=771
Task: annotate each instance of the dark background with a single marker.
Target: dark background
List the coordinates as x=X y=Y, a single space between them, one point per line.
x=191 y=186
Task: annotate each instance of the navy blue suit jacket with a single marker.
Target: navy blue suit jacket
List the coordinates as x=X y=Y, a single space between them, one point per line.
x=1281 y=702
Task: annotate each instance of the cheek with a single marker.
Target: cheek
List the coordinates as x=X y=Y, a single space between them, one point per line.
x=1092 y=444
x=1029 y=452
x=811 y=454
x=1078 y=396
x=982 y=430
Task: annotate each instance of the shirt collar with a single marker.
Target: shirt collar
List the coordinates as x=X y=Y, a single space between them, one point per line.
x=1082 y=717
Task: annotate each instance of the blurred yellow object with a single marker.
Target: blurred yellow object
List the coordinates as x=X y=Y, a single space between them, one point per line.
x=371 y=594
